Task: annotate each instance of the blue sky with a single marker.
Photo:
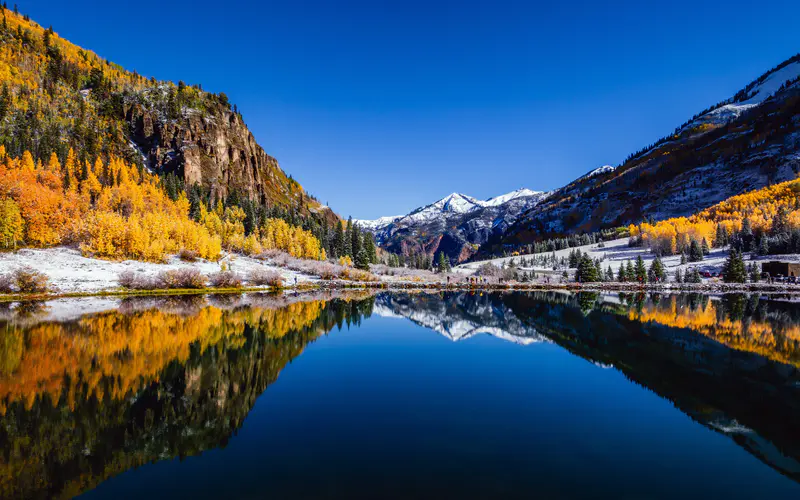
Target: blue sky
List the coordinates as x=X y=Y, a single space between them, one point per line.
x=380 y=107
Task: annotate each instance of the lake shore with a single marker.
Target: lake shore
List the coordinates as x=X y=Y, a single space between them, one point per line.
x=337 y=285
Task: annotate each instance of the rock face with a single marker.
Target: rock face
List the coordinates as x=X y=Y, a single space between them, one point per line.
x=215 y=149
x=456 y=225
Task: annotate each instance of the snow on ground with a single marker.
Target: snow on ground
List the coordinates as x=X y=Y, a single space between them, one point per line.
x=69 y=271
x=615 y=253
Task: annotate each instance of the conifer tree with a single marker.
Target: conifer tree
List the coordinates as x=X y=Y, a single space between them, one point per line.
x=657 y=272
x=641 y=270
x=609 y=274
x=734 y=270
x=695 y=251
x=678 y=276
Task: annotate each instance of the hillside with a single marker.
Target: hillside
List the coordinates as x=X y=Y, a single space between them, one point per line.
x=56 y=96
x=747 y=142
x=456 y=224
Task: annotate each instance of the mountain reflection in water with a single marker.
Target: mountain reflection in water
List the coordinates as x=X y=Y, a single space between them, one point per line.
x=84 y=397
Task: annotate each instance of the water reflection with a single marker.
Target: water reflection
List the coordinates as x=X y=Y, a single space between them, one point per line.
x=87 y=398
x=93 y=387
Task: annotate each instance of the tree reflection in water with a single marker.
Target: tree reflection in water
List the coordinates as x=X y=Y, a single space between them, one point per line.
x=88 y=397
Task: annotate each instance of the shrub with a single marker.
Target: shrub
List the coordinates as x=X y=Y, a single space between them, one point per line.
x=187 y=255
x=127 y=279
x=225 y=279
x=260 y=276
x=133 y=281
x=29 y=280
x=185 y=277
x=6 y=283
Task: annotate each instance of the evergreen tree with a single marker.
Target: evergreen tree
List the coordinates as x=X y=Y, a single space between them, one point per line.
x=337 y=249
x=355 y=241
x=695 y=251
x=621 y=276
x=442 y=264
x=609 y=274
x=678 y=276
x=704 y=247
x=683 y=258
x=734 y=270
x=755 y=272
x=630 y=273
x=746 y=234
x=780 y=223
x=763 y=246
x=369 y=246
x=657 y=272
x=361 y=260
x=693 y=276
x=587 y=271
x=347 y=246
x=641 y=270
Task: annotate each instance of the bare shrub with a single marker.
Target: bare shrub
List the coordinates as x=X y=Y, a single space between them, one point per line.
x=133 y=281
x=488 y=270
x=225 y=279
x=6 y=283
x=126 y=279
x=261 y=276
x=187 y=255
x=185 y=277
x=29 y=280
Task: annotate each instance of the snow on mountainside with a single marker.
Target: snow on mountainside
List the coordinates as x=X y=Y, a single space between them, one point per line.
x=599 y=171
x=456 y=224
x=750 y=97
x=746 y=142
x=455 y=203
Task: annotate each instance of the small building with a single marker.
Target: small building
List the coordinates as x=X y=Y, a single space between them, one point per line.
x=778 y=268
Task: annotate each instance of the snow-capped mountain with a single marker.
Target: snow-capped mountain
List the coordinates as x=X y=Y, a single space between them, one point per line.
x=746 y=142
x=456 y=224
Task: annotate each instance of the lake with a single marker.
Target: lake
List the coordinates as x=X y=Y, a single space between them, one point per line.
x=401 y=395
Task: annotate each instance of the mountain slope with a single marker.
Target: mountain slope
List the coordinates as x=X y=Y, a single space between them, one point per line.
x=56 y=96
x=456 y=225
x=744 y=143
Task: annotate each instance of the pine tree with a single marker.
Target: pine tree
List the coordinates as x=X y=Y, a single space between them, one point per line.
x=763 y=246
x=609 y=274
x=657 y=272
x=683 y=258
x=362 y=260
x=630 y=273
x=621 y=276
x=442 y=264
x=734 y=270
x=704 y=247
x=337 y=249
x=678 y=276
x=695 y=251
x=693 y=276
x=755 y=272
x=587 y=271
x=641 y=270
x=347 y=246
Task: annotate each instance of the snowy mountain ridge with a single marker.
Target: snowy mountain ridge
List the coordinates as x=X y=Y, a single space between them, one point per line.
x=454 y=203
x=456 y=224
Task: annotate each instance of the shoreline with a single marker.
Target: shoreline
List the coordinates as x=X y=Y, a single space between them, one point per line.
x=432 y=286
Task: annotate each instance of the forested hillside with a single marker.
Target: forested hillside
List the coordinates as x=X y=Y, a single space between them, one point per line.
x=747 y=142
x=56 y=96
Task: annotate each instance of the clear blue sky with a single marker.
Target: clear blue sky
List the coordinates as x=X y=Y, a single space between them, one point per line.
x=379 y=107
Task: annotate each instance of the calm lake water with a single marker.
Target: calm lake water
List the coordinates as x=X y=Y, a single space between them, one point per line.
x=451 y=395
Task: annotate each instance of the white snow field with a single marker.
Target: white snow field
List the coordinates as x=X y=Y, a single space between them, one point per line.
x=616 y=252
x=70 y=272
